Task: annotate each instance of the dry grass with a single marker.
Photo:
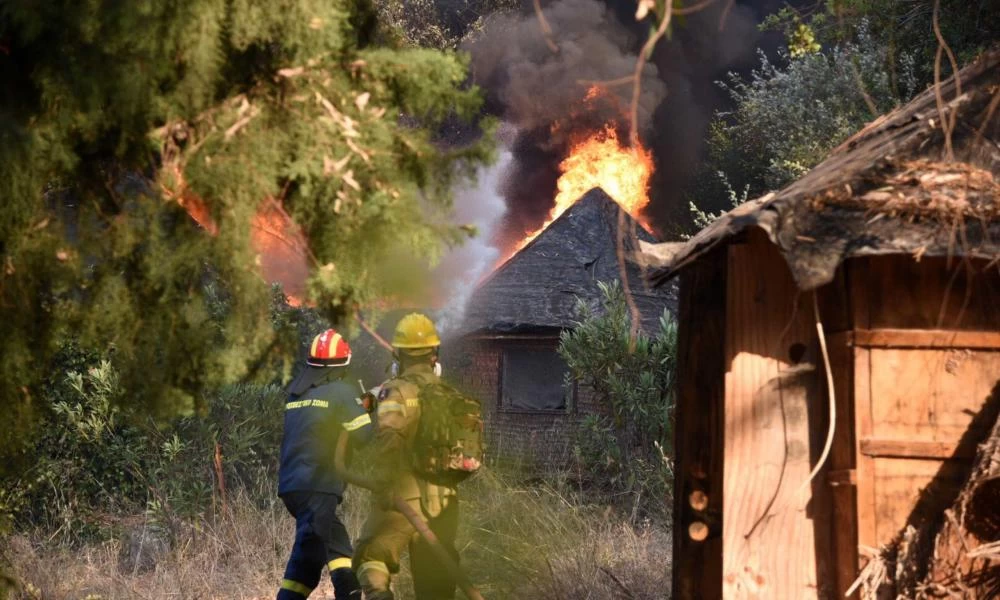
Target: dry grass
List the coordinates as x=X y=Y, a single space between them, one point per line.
x=241 y=555
x=516 y=542
x=538 y=542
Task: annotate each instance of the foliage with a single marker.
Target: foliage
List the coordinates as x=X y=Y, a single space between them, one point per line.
x=789 y=115
x=438 y=23
x=85 y=459
x=95 y=460
x=703 y=218
x=802 y=41
x=847 y=62
x=633 y=379
x=967 y=27
x=122 y=121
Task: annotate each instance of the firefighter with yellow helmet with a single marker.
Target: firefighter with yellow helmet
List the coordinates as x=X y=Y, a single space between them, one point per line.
x=387 y=532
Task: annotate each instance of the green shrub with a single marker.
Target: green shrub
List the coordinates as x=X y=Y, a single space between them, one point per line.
x=85 y=458
x=633 y=380
x=790 y=113
x=94 y=461
x=184 y=483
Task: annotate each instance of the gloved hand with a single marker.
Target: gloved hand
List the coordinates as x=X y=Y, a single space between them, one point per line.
x=369 y=400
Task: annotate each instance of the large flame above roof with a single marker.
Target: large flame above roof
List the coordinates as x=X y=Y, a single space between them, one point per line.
x=602 y=160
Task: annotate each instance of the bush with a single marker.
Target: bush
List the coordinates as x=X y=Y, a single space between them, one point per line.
x=94 y=461
x=436 y=24
x=633 y=379
x=790 y=114
x=86 y=459
x=197 y=461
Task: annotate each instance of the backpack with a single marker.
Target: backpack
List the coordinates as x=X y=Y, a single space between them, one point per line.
x=448 y=445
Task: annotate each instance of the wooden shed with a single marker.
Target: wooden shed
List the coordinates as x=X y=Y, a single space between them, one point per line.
x=891 y=249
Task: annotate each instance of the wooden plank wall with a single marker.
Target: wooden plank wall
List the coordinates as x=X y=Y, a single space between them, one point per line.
x=698 y=439
x=931 y=294
x=774 y=531
x=912 y=348
x=926 y=370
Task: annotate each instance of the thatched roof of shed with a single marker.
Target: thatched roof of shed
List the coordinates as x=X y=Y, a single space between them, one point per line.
x=899 y=186
x=538 y=287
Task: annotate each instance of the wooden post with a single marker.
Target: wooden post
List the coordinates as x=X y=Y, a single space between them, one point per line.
x=842 y=481
x=698 y=426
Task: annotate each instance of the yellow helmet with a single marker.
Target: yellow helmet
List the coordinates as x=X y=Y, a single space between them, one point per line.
x=416 y=334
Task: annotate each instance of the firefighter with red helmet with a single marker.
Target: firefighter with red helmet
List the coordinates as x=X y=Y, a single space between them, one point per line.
x=319 y=407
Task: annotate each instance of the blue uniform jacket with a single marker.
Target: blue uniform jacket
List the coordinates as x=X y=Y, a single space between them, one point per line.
x=313 y=421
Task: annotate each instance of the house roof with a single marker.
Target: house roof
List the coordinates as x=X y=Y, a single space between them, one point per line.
x=538 y=287
x=892 y=188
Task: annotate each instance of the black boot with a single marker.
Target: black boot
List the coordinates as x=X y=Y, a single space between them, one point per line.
x=345 y=584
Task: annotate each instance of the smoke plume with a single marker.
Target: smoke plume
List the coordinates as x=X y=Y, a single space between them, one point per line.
x=461 y=269
x=541 y=92
x=533 y=86
x=537 y=84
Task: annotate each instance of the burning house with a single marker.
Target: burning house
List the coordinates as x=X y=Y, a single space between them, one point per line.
x=508 y=353
x=559 y=243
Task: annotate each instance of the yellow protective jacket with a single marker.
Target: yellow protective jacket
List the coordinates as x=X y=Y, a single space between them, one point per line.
x=397 y=417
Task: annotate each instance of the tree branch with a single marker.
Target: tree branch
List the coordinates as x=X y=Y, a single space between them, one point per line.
x=546 y=29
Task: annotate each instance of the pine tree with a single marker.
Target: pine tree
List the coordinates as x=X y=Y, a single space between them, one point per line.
x=119 y=121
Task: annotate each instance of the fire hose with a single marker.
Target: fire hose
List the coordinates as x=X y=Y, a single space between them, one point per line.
x=411 y=515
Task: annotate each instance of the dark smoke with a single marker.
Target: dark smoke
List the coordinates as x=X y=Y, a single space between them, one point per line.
x=532 y=88
x=540 y=92
x=691 y=63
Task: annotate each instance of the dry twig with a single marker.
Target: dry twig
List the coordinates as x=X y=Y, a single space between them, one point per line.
x=640 y=63
x=989 y=551
x=546 y=28
x=947 y=121
x=626 y=286
x=624 y=588
x=872 y=576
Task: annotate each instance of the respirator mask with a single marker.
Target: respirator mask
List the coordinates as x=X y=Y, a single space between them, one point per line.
x=394 y=369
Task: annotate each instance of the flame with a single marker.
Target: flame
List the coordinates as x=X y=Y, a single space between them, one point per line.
x=280 y=246
x=281 y=250
x=198 y=211
x=600 y=160
x=603 y=161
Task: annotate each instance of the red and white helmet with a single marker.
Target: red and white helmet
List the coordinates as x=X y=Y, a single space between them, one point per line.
x=329 y=349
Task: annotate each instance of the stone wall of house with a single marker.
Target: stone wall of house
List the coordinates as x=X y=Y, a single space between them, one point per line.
x=519 y=438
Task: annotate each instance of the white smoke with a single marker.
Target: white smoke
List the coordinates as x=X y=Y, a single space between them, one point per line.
x=482 y=205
